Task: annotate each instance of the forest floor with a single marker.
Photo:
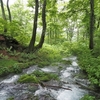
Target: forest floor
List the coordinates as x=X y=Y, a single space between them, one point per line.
x=13 y=57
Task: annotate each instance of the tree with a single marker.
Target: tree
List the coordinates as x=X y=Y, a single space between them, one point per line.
x=91 y=44
x=85 y=10
x=3 y=15
x=32 y=46
x=3 y=11
x=9 y=13
x=44 y=25
x=32 y=42
x=55 y=20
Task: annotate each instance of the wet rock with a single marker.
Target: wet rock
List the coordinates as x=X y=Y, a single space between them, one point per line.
x=45 y=97
x=25 y=96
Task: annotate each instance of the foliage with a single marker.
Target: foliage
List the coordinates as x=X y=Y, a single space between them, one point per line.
x=37 y=76
x=3 y=56
x=47 y=55
x=11 y=98
x=88 y=62
x=16 y=31
x=50 y=53
x=66 y=45
x=2 y=25
x=7 y=62
x=6 y=66
x=16 y=68
x=87 y=97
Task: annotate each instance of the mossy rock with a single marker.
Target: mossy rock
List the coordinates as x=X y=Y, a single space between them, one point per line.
x=44 y=78
x=37 y=76
x=11 y=98
x=66 y=62
x=27 y=78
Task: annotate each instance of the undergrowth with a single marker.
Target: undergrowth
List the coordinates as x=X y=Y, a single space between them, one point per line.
x=14 y=62
x=89 y=61
x=87 y=97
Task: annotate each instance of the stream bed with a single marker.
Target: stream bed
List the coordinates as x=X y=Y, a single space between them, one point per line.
x=68 y=74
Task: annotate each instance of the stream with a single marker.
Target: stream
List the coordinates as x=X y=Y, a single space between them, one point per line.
x=68 y=74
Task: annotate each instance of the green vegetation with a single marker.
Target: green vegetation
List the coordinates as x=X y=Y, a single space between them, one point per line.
x=14 y=62
x=11 y=98
x=87 y=97
x=37 y=76
x=7 y=62
x=8 y=66
x=89 y=62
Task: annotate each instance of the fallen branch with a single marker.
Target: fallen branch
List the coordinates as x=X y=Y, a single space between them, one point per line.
x=45 y=85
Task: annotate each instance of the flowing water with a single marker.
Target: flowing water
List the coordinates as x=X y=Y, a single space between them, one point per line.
x=68 y=79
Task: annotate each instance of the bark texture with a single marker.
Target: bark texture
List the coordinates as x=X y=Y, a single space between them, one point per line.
x=32 y=42
x=92 y=19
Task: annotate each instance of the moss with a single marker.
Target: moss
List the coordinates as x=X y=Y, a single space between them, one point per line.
x=27 y=79
x=68 y=62
x=44 y=78
x=11 y=98
x=37 y=76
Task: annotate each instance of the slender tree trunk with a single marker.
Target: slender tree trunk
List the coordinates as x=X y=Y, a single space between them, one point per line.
x=3 y=15
x=32 y=42
x=44 y=26
x=3 y=11
x=9 y=13
x=98 y=25
x=91 y=44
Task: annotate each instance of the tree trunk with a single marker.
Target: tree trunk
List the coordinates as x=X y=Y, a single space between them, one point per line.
x=3 y=11
x=32 y=42
x=9 y=13
x=91 y=44
x=44 y=26
x=98 y=25
x=3 y=15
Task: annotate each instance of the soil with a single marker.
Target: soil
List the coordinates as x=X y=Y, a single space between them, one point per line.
x=8 y=45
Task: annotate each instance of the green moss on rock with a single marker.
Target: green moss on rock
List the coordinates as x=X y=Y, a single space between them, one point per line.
x=37 y=76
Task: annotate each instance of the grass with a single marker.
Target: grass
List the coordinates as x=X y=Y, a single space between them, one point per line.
x=7 y=62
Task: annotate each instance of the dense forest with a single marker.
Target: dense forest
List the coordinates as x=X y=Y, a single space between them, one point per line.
x=42 y=32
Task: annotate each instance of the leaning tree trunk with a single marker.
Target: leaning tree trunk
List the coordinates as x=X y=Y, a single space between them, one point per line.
x=32 y=42
x=9 y=10
x=3 y=15
x=91 y=44
x=44 y=26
